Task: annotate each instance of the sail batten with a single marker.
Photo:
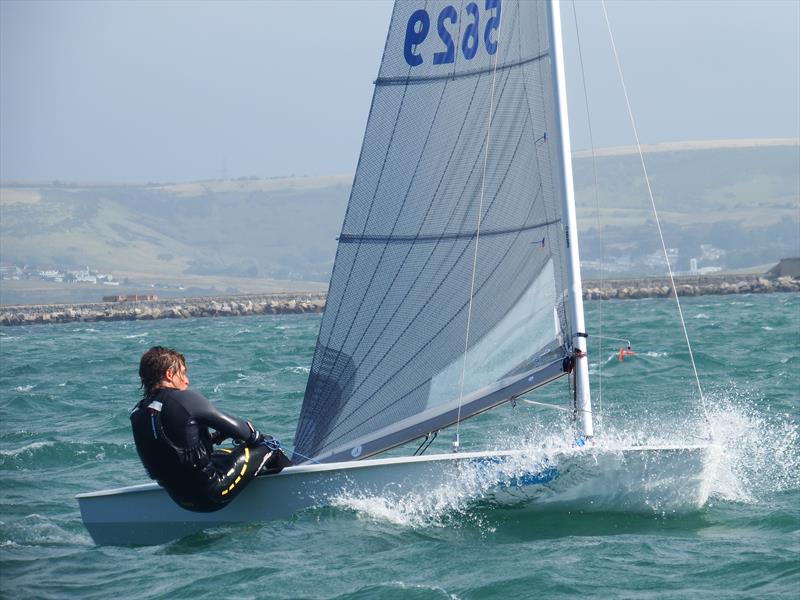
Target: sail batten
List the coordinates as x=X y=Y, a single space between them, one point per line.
x=434 y=78
x=408 y=239
x=391 y=347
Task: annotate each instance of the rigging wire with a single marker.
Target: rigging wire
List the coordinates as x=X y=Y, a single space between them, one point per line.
x=655 y=214
x=546 y=405
x=308 y=458
x=456 y=441
x=599 y=227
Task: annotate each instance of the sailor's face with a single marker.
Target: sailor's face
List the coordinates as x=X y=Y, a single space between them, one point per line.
x=178 y=378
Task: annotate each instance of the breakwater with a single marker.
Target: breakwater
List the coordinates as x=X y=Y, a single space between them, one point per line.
x=173 y=308
x=697 y=285
x=292 y=303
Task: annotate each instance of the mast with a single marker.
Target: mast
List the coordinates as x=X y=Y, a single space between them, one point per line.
x=575 y=298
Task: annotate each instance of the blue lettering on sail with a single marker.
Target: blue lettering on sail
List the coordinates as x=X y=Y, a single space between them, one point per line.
x=493 y=24
x=470 y=44
x=448 y=56
x=416 y=32
x=419 y=24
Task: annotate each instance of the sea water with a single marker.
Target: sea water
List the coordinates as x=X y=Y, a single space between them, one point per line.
x=65 y=393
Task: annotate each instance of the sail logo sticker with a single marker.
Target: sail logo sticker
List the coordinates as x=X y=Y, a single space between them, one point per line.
x=530 y=478
x=419 y=25
x=355 y=452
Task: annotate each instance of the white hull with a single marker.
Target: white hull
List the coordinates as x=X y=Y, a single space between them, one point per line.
x=627 y=479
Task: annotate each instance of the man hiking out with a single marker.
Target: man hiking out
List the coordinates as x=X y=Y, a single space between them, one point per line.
x=175 y=430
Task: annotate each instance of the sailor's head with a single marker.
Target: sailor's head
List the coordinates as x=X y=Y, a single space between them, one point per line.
x=162 y=368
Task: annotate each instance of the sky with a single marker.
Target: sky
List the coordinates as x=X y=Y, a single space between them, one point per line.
x=188 y=90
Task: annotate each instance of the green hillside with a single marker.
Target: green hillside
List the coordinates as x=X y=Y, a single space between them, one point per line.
x=281 y=229
x=742 y=201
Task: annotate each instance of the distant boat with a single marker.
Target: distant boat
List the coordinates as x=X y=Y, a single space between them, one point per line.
x=456 y=288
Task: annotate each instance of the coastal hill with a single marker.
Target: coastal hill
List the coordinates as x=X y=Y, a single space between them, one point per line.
x=727 y=205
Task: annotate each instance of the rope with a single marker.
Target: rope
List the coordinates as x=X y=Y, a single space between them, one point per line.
x=599 y=225
x=308 y=458
x=655 y=213
x=426 y=443
x=456 y=442
x=626 y=340
x=555 y=406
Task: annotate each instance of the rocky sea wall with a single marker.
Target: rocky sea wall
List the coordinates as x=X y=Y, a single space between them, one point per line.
x=293 y=303
x=181 y=308
x=701 y=285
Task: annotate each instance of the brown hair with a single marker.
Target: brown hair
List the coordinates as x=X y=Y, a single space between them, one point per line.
x=154 y=363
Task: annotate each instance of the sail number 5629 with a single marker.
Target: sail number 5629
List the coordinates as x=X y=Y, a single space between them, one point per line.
x=419 y=25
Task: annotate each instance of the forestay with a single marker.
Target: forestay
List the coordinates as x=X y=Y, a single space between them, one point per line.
x=453 y=237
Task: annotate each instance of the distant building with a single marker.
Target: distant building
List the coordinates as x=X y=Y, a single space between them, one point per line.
x=787 y=267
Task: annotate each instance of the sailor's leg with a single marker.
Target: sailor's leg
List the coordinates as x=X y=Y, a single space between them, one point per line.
x=275 y=463
x=230 y=472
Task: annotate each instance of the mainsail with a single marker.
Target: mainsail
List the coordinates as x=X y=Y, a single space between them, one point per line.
x=447 y=294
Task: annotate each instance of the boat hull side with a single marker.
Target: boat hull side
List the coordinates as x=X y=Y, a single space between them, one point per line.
x=636 y=479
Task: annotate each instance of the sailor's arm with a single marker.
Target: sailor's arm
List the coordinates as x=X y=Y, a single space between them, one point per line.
x=205 y=413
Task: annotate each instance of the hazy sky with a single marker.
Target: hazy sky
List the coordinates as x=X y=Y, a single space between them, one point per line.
x=175 y=91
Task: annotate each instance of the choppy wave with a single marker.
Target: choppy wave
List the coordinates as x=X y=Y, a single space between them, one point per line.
x=753 y=457
x=747 y=355
x=39 y=530
x=47 y=454
x=760 y=451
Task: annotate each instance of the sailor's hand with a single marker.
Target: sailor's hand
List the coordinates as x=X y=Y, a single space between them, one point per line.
x=256 y=437
x=271 y=443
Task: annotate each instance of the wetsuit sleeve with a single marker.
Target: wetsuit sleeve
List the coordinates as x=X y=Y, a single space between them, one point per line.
x=205 y=413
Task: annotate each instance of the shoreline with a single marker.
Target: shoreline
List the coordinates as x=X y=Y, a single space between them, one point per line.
x=314 y=302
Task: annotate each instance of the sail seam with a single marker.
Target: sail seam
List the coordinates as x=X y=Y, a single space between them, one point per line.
x=400 y=369
x=345 y=418
x=402 y=302
x=327 y=390
x=364 y=239
x=381 y=81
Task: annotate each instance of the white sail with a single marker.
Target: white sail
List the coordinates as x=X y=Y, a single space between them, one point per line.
x=452 y=254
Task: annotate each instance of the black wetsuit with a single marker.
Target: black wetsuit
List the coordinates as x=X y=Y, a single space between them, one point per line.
x=171 y=431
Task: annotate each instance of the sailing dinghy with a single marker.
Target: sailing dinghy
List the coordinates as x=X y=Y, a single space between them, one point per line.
x=456 y=288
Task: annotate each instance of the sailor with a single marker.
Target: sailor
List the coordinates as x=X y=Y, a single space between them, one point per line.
x=172 y=428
